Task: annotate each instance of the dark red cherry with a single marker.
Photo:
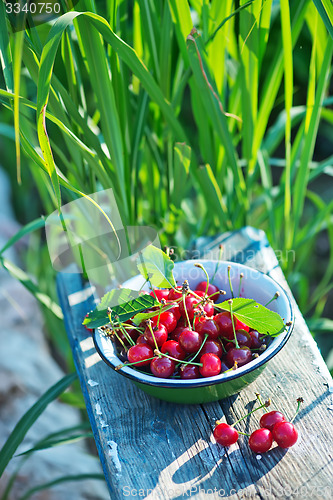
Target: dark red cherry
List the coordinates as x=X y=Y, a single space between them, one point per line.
x=241 y=356
x=140 y=352
x=176 y=333
x=225 y=435
x=208 y=307
x=224 y=323
x=188 y=372
x=160 y=334
x=212 y=346
x=190 y=340
x=162 y=367
x=285 y=434
x=141 y=339
x=174 y=349
x=268 y=420
x=256 y=341
x=207 y=326
x=261 y=440
x=167 y=318
x=211 y=365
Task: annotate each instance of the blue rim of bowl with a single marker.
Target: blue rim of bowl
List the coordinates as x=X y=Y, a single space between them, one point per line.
x=148 y=379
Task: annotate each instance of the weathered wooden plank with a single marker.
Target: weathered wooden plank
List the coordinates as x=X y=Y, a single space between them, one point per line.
x=157 y=450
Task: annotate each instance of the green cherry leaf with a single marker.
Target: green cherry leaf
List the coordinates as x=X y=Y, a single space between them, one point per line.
x=156 y=266
x=255 y=315
x=138 y=318
x=121 y=312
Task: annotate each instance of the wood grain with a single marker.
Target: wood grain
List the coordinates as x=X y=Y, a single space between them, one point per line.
x=157 y=450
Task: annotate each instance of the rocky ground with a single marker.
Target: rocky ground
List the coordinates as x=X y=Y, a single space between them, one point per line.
x=27 y=370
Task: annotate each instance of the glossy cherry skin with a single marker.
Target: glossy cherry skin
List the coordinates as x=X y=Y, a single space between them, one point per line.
x=162 y=367
x=212 y=346
x=167 y=318
x=190 y=340
x=256 y=341
x=224 y=323
x=212 y=289
x=174 y=349
x=208 y=307
x=225 y=434
x=268 y=420
x=161 y=293
x=190 y=302
x=176 y=333
x=142 y=339
x=208 y=326
x=160 y=334
x=241 y=356
x=189 y=372
x=285 y=434
x=261 y=440
x=140 y=352
x=175 y=309
x=175 y=294
x=211 y=365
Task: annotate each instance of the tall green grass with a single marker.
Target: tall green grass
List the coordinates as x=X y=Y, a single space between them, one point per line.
x=195 y=112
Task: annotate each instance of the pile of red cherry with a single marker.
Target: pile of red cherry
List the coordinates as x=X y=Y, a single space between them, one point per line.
x=273 y=427
x=189 y=340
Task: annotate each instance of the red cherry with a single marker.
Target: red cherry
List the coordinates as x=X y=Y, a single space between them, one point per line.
x=285 y=434
x=162 y=367
x=174 y=349
x=225 y=434
x=176 y=333
x=140 y=352
x=86 y=327
x=211 y=365
x=190 y=302
x=224 y=323
x=208 y=307
x=256 y=341
x=132 y=333
x=173 y=295
x=175 y=309
x=212 y=346
x=261 y=440
x=160 y=334
x=241 y=356
x=212 y=289
x=200 y=293
x=208 y=326
x=167 y=318
x=190 y=340
x=268 y=420
x=161 y=293
x=141 y=340
x=188 y=372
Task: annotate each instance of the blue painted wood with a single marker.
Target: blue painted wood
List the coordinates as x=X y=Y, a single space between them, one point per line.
x=156 y=450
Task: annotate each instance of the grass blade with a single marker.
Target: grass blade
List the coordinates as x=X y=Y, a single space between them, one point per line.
x=59 y=480
x=5 y=52
x=325 y=9
x=29 y=418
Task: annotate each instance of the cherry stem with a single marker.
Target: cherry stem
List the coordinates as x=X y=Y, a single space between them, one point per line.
x=152 y=333
x=222 y=345
x=159 y=353
x=118 y=367
x=218 y=263
x=120 y=340
x=260 y=401
x=244 y=433
x=203 y=342
x=143 y=284
x=207 y=277
x=233 y=325
x=299 y=402
x=230 y=284
x=276 y=295
x=127 y=336
x=241 y=276
x=250 y=413
x=186 y=313
x=159 y=315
